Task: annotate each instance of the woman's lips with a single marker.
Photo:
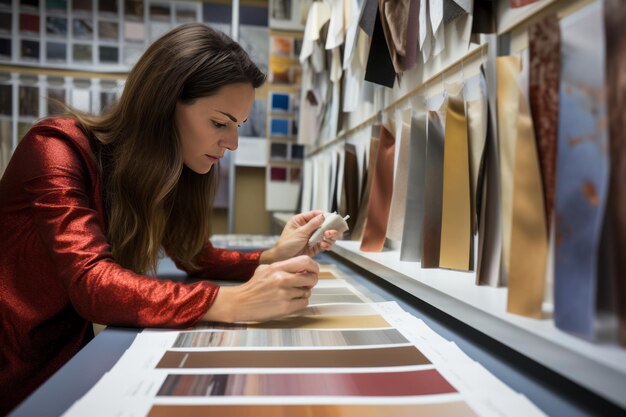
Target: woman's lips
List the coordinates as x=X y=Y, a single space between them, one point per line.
x=213 y=158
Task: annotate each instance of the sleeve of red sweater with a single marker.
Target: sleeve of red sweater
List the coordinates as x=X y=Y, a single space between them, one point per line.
x=219 y=263
x=99 y=289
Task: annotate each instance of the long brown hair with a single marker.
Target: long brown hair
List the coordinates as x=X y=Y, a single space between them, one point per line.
x=152 y=199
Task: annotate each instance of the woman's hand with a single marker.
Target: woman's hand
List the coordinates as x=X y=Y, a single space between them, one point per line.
x=294 y=240
x=275 y=290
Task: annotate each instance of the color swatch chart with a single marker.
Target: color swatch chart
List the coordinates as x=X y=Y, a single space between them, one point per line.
x=341 y=356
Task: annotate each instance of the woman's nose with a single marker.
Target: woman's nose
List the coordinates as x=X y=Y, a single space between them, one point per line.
x=231 y=141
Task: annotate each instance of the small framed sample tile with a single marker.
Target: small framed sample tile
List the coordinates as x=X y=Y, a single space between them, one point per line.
x=108 y=30
x=160 y=12
x=185 y=13
x=108 y=7
x=5 y=48
x=134 y=31
x=280 y=127
x=59 y=6
x=278 y=174
x=133 y=9
x=82 y=52
x=28 y=101
x=6 y=23
x=56 y=26
x=6 y=99
x=281 y=45
x=278 y=150
x=82 y=6
x=29 y=24
x=56 y=52
x=280 y=102
x=83 y=28
x=109 y=54
x=29 y=49
x=295 y=174
x=297 y=151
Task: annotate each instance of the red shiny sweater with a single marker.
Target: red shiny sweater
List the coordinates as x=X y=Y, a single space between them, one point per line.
x=57 y=275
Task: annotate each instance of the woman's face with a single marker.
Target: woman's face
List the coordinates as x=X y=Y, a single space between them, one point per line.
x=208 y=126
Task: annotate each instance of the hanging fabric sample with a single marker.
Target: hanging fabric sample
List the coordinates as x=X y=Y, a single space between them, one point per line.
x=544 y=38
x=614 y=22
x=529 y=235
x=582 y=170
x=350 y=193
x=368 y=175
x=508 y=68
x=412 y=35
x=394 y=19
x=412 y=235
x=379 y=69
x=456 y=243
x=489 y=270
x=398 y=200
x=477 y=112
x=484 y=17
x=433 y=195
x=375 y=230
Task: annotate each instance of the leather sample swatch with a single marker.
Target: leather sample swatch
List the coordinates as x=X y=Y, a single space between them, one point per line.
x=395 y=224
x=394 y=19
x=477 y=112
x=614 y=23
x=484 y=16
x=368 y=176
x=529 y=234
x=508 y=68
x=375 y=230
x=350 y=192
x=544 y=39
x=489 y=270
x=413 y=234
x=434 y=188
x=582 y=171
x=379 y=69
x=444 y=409
x=305 y=358
x=456 y=225
x=412 y=35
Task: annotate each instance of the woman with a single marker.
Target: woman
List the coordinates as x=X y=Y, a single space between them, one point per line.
x=87 y=203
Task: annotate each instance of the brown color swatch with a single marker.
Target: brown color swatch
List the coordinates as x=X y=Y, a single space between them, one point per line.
x=380 y=195
x=327 y=358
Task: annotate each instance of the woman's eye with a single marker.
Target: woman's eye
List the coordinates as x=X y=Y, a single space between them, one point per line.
x=219 y=125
